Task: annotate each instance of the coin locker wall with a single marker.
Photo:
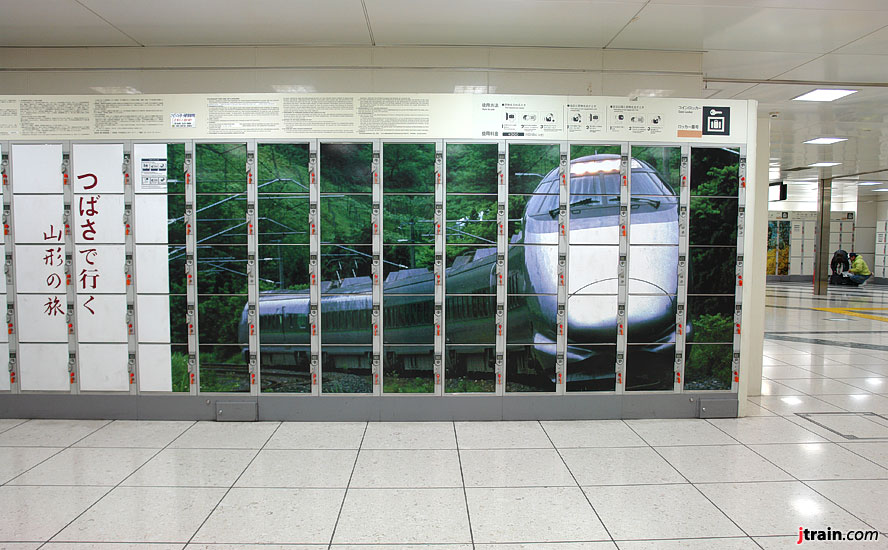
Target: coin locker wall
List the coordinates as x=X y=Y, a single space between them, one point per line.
x=880 y=262
x=380 y=267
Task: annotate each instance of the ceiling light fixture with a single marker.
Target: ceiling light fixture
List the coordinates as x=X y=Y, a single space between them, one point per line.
x=825 y=141
x=871 y=183
x=879 y=190
x=824 y=164
x=824 y=94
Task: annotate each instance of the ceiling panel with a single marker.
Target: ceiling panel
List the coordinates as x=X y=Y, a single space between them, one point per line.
x=234 y=22
x=55 y=23
x=874 y=43
x=758 y=65
x=499 y=22
x=844 y=5
x=847 y=68
x=672 y=27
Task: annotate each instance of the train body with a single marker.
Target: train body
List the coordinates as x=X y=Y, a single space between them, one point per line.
x=408 y=300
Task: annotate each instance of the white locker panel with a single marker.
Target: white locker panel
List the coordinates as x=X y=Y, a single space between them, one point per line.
x=796 y=231
x=795 y=247
x=808 y=247
x=103 y=367
x=150 y=167
x=155 y=373
x=150 y=214
x=100 y=269
x=153 y=318
x=41 y=317
x=98 y=219
x=795 y=266
x=880 y=260
x=882 y=226
x=152 y=269
x=36 y=169
x=810 y=230
x=879 y=271
x=40 y=269
x=834 y=239
x=807 y=266
x=43 y=367
x=101 y=318
x=880 y=238
x=835 y=227
x=97 y=168
x=4 y=360
x=39 y=219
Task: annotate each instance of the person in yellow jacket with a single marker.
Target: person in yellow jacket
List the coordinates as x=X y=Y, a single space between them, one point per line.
x=859 y=270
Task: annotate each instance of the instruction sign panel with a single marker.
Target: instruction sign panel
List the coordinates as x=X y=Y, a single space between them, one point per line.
x=361 y=116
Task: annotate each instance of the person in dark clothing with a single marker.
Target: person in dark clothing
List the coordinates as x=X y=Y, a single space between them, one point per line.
x=839 y=265
x=839 y=262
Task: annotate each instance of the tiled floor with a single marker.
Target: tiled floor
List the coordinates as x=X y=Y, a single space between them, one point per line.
x=812 y=453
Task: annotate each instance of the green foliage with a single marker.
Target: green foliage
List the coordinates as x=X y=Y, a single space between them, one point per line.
x=708 y=366
x=471 y=168
x=714 y=172
x=712 y=327
x=179 y=368
x=408 y=168
x=469 y=385
x=528 y=164
x=346 y=167
x=394 y=383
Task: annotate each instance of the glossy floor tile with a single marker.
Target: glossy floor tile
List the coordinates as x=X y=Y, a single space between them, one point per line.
x=144 y=514
x=812 y=451
x=543 y=514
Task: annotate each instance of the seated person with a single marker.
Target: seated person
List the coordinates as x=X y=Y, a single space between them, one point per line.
x=859 y=270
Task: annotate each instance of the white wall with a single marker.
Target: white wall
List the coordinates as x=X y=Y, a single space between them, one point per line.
x=865 y=231
x=503 y=70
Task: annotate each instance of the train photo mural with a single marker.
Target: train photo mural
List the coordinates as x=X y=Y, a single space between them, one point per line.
x=408 y=256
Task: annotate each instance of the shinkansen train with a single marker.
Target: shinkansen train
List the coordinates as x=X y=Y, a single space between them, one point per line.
x=532 y=288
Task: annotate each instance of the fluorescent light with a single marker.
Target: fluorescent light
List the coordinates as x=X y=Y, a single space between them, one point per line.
x=879 y=190
x=824 y=164
x=824 y=94
x=825 y=141
x=870 y=183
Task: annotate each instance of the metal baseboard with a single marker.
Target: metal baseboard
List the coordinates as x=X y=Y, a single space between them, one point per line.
x=364 y=408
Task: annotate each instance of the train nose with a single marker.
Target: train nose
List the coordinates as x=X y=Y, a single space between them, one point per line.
x=593 y=285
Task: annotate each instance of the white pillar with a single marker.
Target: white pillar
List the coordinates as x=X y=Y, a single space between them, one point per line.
x=755 y=254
